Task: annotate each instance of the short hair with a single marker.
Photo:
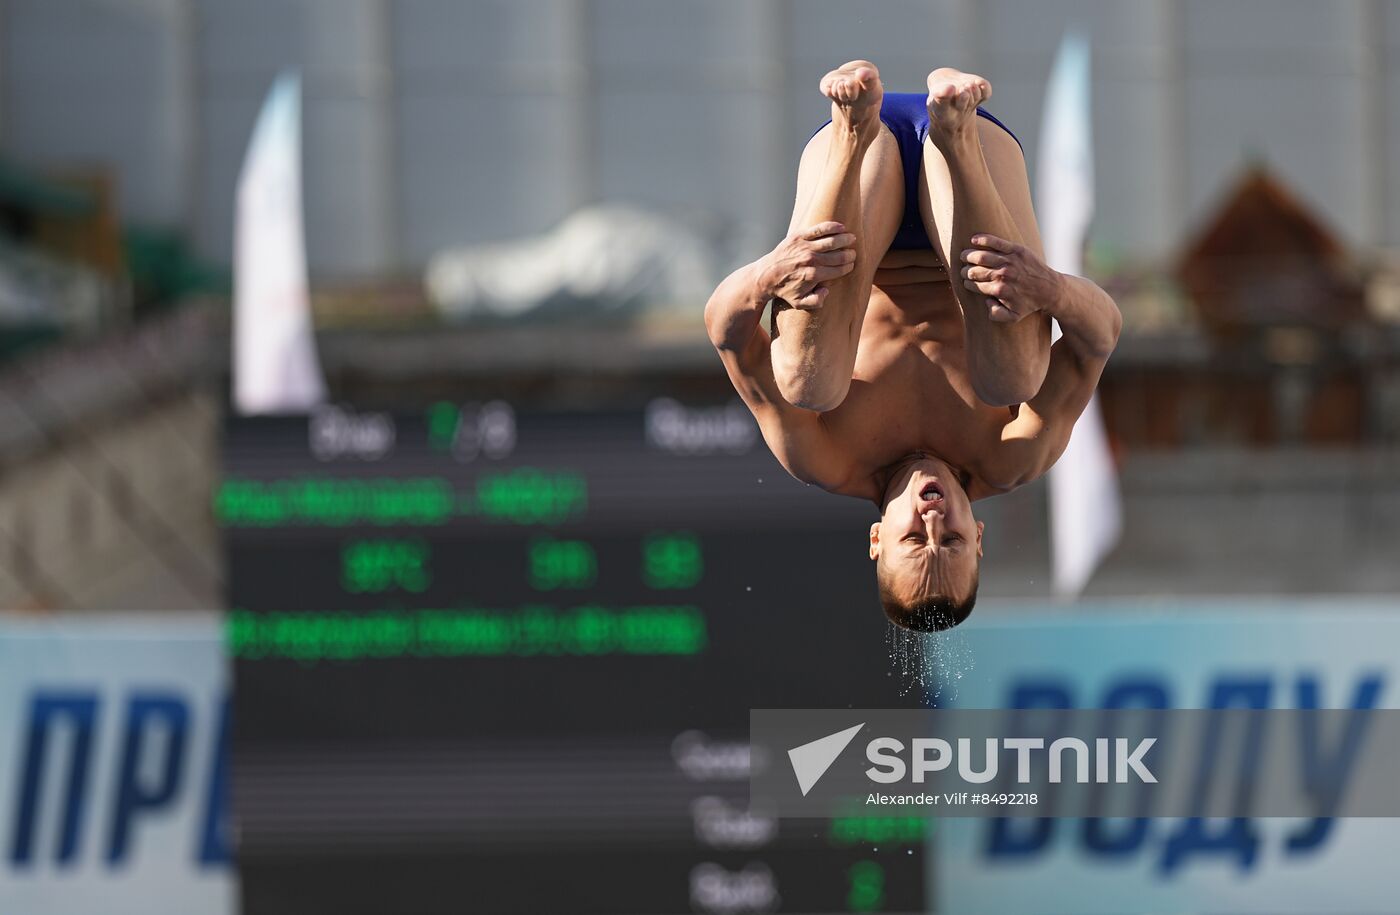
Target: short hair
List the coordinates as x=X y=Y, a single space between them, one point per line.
x=933 y=613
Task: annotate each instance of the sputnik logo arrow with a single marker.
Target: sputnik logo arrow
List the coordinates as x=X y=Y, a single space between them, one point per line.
x=811 y=760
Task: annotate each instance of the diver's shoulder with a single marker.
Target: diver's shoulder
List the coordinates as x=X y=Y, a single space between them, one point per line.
x=984 y=488
x=1009 y=466
x=860 y=483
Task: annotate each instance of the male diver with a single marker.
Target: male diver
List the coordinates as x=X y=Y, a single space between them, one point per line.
x=880 y=377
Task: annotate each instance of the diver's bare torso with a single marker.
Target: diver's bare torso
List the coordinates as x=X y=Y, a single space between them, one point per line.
x=910 y=389
x=873 y=355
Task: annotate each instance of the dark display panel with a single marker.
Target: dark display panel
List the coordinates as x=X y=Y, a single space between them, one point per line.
x=503 y=663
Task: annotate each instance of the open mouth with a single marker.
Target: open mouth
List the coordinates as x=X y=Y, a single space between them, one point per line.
x=931 y=492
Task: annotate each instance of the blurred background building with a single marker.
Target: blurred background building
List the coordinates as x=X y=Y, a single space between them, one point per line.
x=1248 y=222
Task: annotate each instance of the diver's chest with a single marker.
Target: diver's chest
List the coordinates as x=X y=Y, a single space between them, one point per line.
x=912 y=403
x=897 y=376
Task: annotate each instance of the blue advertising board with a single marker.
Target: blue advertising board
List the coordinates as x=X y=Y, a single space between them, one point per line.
x=113 y=788
x=1276 y=653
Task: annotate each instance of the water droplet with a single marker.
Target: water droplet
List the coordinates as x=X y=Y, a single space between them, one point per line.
x=928 y=662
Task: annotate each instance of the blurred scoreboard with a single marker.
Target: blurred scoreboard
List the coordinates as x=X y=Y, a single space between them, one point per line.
x=503 y=663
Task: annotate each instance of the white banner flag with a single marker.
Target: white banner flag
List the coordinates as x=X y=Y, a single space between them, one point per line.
x=1085 y=514
x=275 y=369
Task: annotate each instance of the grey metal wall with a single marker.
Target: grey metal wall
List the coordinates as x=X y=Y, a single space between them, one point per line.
x=434 y=122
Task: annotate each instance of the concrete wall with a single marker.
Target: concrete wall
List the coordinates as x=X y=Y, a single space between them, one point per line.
x=117 y=517
x=1222 y=522
x=436 y=122
x=108 y=456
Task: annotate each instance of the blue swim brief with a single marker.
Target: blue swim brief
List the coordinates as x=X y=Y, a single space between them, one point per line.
x=906 y=115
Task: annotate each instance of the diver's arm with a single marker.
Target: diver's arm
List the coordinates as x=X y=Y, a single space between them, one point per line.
x=798 y=438
x=1090 y=322
x=735 y=309
x=795 y=271
x=1016 y=278
x=1088 y=316
x=1033 y=440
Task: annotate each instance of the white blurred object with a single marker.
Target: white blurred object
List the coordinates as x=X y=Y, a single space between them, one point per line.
x=601 y=258
x=275 y=368
x=37 y=288
x=1086 y=516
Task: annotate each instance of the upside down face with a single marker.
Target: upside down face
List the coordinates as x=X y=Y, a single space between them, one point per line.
x=927 y=546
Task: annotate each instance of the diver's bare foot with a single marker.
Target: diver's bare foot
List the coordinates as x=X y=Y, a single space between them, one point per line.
x=953 y=97
x=855 y=92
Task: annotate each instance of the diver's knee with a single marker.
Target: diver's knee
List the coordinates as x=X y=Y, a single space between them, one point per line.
x=1007 y=388
x=815 y=391
x=817 y=396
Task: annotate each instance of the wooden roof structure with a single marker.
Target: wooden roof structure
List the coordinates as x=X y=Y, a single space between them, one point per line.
x=1264 y=259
